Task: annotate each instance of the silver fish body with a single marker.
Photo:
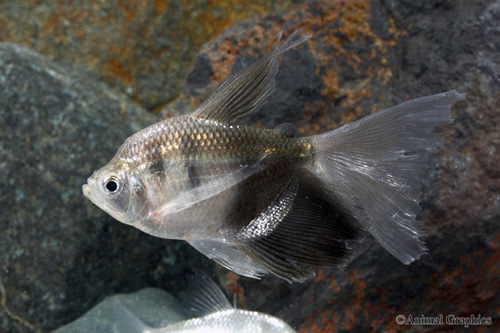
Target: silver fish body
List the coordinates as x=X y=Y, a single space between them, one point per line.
x=229 y=321
x=261 y=201
x=190 y=175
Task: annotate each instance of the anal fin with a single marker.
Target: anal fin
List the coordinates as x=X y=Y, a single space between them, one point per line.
x=315 y=232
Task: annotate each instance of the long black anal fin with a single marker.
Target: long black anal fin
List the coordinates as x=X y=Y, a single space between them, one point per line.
x=316 y=232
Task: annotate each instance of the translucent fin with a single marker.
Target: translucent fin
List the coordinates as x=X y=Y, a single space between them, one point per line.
x=247 y=90
x=229 y=257
x=310 y=229
x=188 y=198
x=375 y=164
x=205 y=297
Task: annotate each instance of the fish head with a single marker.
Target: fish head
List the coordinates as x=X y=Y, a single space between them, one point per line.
x=118 y=191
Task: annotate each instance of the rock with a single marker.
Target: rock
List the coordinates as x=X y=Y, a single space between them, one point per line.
x=134 y=312
x=59 y=254
x=142 y=48
x=366 y=56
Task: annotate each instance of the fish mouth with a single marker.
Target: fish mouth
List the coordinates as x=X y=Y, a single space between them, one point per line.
x=86 y=190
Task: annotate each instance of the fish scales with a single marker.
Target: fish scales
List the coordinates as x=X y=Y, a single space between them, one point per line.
x=205 y=142
x=189 y=152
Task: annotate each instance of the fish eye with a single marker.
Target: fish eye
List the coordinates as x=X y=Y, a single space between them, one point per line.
x=113 y=186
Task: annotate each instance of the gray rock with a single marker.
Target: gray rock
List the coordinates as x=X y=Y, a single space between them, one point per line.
x=59 y=254
x=132 y=313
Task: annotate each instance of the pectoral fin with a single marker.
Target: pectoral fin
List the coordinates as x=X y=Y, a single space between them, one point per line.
x=190 y=197
x=229 y=257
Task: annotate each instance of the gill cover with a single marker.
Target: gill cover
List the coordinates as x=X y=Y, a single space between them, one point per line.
x=118 y=193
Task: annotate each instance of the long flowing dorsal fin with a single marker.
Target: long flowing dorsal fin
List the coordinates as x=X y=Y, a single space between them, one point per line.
x=247 y=90
x=204 y=297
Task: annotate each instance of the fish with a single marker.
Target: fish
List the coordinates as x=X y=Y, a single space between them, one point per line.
x=205 y=309
x=263 y=201
x=213 y=312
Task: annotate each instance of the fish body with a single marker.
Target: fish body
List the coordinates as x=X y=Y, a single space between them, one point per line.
x=231 y=320
x=262 y=201
x=180 y=164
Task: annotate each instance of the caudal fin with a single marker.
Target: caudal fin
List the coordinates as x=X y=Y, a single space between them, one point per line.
x=374 y=166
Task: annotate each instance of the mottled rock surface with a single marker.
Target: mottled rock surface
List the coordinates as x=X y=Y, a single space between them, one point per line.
x=142 y=48
x=59 y=254
x=366 y=56
x=62 y=255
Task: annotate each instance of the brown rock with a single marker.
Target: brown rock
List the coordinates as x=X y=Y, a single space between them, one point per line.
x=142 y=48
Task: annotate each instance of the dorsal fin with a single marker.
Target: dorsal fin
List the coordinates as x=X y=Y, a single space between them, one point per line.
x=204 y=297
x=247 y=90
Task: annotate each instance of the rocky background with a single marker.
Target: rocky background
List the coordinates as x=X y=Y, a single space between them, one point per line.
x=60 y=255
x=142 y=48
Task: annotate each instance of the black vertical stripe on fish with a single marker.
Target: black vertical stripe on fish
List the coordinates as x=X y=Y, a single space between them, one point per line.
x=186 y=146
x=314 y=233
x=156 y=167
x=192 y=174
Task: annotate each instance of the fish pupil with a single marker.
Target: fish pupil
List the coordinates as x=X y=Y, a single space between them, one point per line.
x=111 y=186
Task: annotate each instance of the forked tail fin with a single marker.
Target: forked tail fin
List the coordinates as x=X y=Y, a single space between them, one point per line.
x=374 y=166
